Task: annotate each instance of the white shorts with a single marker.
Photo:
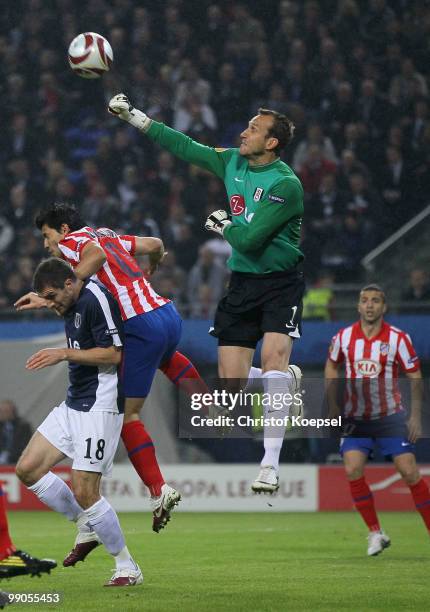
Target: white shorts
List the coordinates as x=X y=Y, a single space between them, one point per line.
x=89 y=438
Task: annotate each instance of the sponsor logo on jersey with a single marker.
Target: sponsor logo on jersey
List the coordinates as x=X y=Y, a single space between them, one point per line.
x=385 y=347
x=367 y=367
x=276 y=198
x=78 y=320
x=258 y=193
x=237 y=204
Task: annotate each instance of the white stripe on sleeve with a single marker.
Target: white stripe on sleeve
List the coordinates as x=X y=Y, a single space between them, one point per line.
x=103 y=301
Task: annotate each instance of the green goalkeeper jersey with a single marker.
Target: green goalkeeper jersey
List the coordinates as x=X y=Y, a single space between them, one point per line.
x=266 y=203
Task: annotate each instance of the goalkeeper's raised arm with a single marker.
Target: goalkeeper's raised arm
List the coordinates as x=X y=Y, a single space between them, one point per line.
x=179 y=144
x=264 y=298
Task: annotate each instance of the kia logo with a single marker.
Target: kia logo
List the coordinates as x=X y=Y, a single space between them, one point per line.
x=367 y=367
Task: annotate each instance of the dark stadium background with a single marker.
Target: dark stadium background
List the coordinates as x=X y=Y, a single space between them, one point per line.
x=353 y=76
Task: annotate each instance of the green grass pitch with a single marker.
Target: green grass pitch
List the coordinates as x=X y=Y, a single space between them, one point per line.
x=253 y=562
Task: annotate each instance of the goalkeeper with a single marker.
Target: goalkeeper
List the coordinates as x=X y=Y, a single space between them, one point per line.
x=264 y=298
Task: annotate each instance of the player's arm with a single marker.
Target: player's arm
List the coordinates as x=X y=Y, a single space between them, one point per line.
x=92 y=259
x=153 y=248
x=331 y=375
x=414 y=423
x=31 y=301
x=97 y=356
x=177 y=143
x=283 y=203
x=408 y=360
x=148 y=246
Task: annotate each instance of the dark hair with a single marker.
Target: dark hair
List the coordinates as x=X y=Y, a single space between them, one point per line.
x=373 y=287
x=55 y=215
x=52 y=272
x=282 y=128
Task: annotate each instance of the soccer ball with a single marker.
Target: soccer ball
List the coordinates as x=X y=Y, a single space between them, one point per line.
x=90 y=55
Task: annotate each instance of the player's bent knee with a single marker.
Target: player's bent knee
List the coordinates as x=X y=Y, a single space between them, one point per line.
x=28 y=472
x=410 y=475
x=132 y=408
x=353 y=472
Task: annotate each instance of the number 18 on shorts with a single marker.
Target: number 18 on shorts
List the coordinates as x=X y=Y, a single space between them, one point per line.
x=90 y=439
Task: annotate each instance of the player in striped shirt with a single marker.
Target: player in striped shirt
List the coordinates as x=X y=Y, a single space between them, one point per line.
x=373 y=352
x=151 y=323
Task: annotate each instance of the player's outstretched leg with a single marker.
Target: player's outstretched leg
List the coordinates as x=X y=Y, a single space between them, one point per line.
x=182 y=373
x=15 y=562
x=162 y=507
x=6 y=545
x=141 y=452
x=273 y=382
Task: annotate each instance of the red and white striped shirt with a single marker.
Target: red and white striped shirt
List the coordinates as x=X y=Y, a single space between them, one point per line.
x=372 y=369
x=120 y=273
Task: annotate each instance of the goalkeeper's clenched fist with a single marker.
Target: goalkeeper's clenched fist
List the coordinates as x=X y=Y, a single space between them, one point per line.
x=121 y=107
x=217 y=221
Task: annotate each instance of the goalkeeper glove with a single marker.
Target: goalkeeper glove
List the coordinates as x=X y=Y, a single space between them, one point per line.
x=217 y=222
x=120 y=106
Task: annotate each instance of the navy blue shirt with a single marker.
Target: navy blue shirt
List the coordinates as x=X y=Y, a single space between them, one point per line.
x=94 y=321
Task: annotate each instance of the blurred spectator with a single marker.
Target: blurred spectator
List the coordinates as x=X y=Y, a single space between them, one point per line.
x=351 y=75
x=15 y=433
x=416 y=127
x=396 y=188
x=220 y=248
x=207 y=271
x=349 y=164
x=6 y=235
x=194 y=117
x=326 y=208
x=373 y=109
x=419 y=288
x=354 y=138
x=319 y=299
x=348 y=245
x=98 y=207
x=314 y=168
x=361 y=199
x=407 y=86
x=169 y=268
x=314 y=135
x=128 y=187
x=341 y=110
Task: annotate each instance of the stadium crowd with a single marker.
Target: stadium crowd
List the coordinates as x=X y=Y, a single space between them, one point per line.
x=353 y=76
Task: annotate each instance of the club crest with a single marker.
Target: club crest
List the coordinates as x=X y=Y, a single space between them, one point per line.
x=258 y=193
x=385 y=347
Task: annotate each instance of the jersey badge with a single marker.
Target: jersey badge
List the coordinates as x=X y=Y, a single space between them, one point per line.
x=385 y=347
x=276 y=198
x=258 y=193
x=78 y=320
